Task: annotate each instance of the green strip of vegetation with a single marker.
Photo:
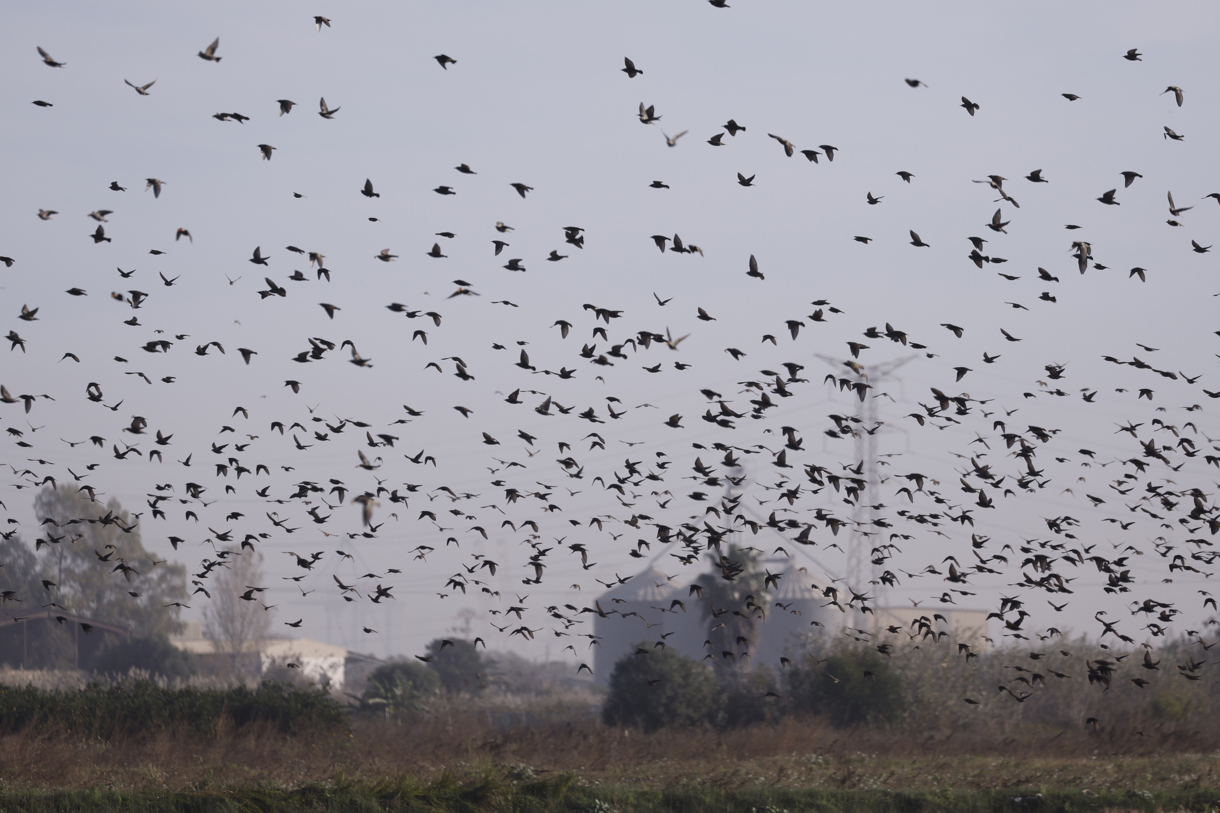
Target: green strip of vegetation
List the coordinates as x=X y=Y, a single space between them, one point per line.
x=138 y=707
x=491 y=793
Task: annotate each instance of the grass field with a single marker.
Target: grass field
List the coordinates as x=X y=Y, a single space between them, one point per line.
x=462 y=762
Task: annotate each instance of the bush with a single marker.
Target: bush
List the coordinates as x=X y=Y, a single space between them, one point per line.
x=143 y=707
x=400 y=689
x=851 y=688
x=662 y=689
x=154 y=655
x=458 y=665
x=751 y=698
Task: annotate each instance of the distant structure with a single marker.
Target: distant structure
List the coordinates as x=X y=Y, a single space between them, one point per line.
x=317 y=661
x=795 y=610
x=962 y=626
x=642 y=610
x=638 y=610
x=28 y=640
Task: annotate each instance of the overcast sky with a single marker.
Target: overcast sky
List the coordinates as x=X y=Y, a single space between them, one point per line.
x=537 y=96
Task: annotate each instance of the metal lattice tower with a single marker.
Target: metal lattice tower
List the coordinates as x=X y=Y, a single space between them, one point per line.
x=860 y=570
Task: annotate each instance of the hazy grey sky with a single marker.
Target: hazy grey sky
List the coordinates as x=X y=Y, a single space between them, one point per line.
x=537 y=96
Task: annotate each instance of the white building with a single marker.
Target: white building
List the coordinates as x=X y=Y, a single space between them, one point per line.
x=319 y=662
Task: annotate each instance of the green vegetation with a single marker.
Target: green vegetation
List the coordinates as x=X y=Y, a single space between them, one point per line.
x=400 y=690
x=660 y=689
x=142 y=707
x=458 y=665
x=80 y=530
x=491 y=791
x=851 y=688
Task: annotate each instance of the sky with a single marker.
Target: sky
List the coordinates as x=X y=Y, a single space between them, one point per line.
x=537 y=96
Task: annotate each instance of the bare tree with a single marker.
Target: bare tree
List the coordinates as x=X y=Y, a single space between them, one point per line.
x=237 y=616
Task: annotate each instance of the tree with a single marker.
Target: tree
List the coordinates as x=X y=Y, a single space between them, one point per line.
x=737 y=594
x=852 y=687
x=154 y=655
x=662 y=689
x=458 y=665
x=38 y=645
x=101 y=570
x=400 y=689
x=235 y=616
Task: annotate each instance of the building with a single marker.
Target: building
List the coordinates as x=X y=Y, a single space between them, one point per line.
x=958 y=625
x=643 y=610
x=45 y=639
x=316 y=661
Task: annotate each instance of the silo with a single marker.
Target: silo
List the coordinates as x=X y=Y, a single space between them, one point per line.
x=638 y=611
x=793 y=607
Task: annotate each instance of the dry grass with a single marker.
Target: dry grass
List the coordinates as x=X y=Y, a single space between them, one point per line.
x=790 y=754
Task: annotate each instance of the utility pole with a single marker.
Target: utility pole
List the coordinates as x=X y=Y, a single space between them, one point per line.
x=861 y=573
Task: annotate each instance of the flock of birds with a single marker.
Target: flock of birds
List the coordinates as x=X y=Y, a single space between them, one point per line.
x=663 y=505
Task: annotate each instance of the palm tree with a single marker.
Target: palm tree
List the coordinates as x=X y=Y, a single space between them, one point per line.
x=735 y=600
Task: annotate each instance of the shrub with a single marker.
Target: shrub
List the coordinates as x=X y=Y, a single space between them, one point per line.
x=662 y=689
x=458 y=665
x=400 y=689
x=750 y=698
x=143 y=707
x=852 y=687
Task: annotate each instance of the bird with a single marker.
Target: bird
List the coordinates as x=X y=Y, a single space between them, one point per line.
x=917 y=242
x=1036 y=177
x=48 y=60
x=744 y=181
x=286 y=105
x=257 y=258
x=266 y=149
x=789 y=147
x=1133 y=55
x=1176 y=91
x=631 y=70
x=324 y=111
x=914 y=83
x=445 y=61
x=521 y=188
x=141 y=89
x=673 y=140
x=970 y=106
x=1129 y=178
x=754 y=272
x=209 y=53
x=320 y=21
x=1108 y=198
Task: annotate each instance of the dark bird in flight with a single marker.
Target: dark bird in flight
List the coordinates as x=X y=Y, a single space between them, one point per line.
x=48 y=60
x=141 y=89
x=631 y=70
x=445 y=61
x=209 y=53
